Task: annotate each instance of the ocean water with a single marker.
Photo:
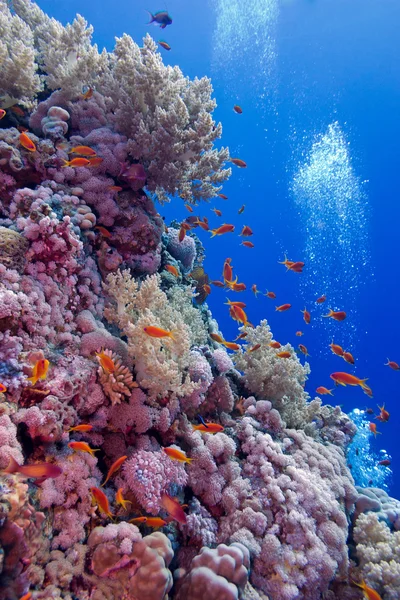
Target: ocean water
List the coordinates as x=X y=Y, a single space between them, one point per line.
x=319 y=85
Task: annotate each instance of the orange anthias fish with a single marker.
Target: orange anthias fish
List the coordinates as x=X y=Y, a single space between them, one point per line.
x=217 y=338
x=95 y=161
x=106 y=361
x=227 y=271
x=203 y=224
x=35 y=471
x=77 y=162
x=373 y=429
x=26 y=142
x=286 y=262
x=306 y=316
x=283 y=307
x=296 y=267
x=275 y=345
x=225 y=228
x=393 y=365
x=241 y=209
x=101 y=501
x=348 y=357
x=237 y=287
x=188 y=207
x=164 y=45
x=173 y=508
x=384 y=414
x=2 y=113
x=247 y=244
x=219 y=284
x=114 y=468
x=121 y=500
x=157 y=332
x=323 y=390
x=154 y=522
x=336 y=349
x=238 y=314
x=177 y=455
x=303 y=349
x=40 y=370
x=255 y=290
x=115 y=188
x=299 y=333
x=237 y=109
x=27 y=596
x=83 y=150
x=2 y=388
x=239 y=162
x=182 y=233
x=284 y=354
x=341 y=378
x=321 y=299
x=231 y=346
x=367 y=390
x=88 y=94
x=84 y=428
x=171 y=269
x=83 y=447
x=223 y=196
x=271 y=295
x=338 y=315
x=255 y=348
x=241 y=336
x=369 y=593
x=246 y=231
x=234 y=303
x=217 y=212
x=103 y=231
x=208 y=428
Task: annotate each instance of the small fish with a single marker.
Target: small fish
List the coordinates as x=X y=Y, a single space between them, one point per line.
x=341 y=378
x=369 y=411
x=246 y=231
x=88 y=94
x=384 y=414
x=138 y=520
x=271 y=295
x=217 y=338
x=219 y=284
x=323 y=390
x=77 y=162
x=367 y=390
x=237 y=287
x=231 y=346
x=372 y=428
x=95 y=161
x=255 y=348
x=239 y=162
x=338 y=315
x=336 y=349
x=208 y=428
x=225 y=228
x=2 y=113
x=103 y=231
x=247 y=244
x=101 y=501
x=2 y=388
x=217 y=212
x=173 y=508
x=40 y=370
x=227 y=271
x=26 y=142
x=164 y=45
x=27 y=596
x=115 y=188
x=296 y=267
x=17 y=110
x=177 y=455
x=241 y=209
x=207 y=289
x=105 y=361
x=321 y=299
x=306 y=316
x=155 y=522
x=393 y=365
x=223 y=196
x=385 y=463
x=114 y=468
x=274 y=344
x=182 y=233
x=160 y=18
x=238 y=314
x=369 y=593
x=63 y=146
x=188 y=207
x=284 y=354
x=82 y=447
x=83 y=150
x=299 y=333
x=121 y=500
x=171 y=269
x=34 y=471
x=283 y=307
x=157 y=332
x=348 y=357
x=237 y=109
x=255 y=290
x=303 y=349
x=241 y=336
x=83 y=427
x=286 y=262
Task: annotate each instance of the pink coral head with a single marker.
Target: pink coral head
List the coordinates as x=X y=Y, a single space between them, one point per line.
x=135 y=174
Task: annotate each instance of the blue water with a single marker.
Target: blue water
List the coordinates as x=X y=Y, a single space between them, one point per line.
x=319 y=84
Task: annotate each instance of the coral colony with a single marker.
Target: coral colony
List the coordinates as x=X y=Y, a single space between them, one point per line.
x=138 y=459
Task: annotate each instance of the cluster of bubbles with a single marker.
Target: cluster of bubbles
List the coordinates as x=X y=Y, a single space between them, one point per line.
x=363 y=460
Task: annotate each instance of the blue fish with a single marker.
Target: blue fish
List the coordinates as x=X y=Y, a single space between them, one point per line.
x=160 y=18
x=201 y=420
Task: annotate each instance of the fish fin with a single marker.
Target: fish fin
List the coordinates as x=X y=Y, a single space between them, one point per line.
x=151 y=17
x=12 y=467
x=330 y=312
x=33 y=379
x=213 y=234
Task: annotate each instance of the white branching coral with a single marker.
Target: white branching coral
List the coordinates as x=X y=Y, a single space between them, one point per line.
x=280 y=380
x=118 y=383
x=161 y=365
x=181 y=299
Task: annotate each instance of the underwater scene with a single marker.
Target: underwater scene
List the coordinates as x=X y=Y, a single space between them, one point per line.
x=199 y=300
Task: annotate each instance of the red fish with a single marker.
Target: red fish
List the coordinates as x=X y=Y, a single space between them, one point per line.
x=104 y=232
x=77 y=162
x=238 y=314
x=188 y=207
x=239 y=162
x=306 y=316
x=286 y=262
x=241 y=209
x=255 y=348
x=284 y=354
x=40 y=370
x=217 y=338
x=231 y=346
x=26 y=142
x=247 y=244
x=114 y=468
x=271 y=295
x=336 y=349
x=83 y=447
x=27 y=596
x=2 y=113
x=283 y=307
x=348 y=357
x=246 y=231
x=225 y=228
x=173 y=508
x=341 y=378
x=223 y=196
x=177 y=455
x=227 y=271
x=171 y=269
x=34 y=471
x=385 y=463
x=182 y=233
x=88 y=94
x=296 y=267
x=95 y=161
x=299 y=333
x=275 y=345
x=393 y=365
x=321 y=299
x=373 y=429
x=101 y=501
x=323 y=390
x=84 y=428
x=157 y=332
x=164 y=45
x=121 y=500
x=115 y=188
x=83 y=150
x=241 y=336
x=369 y=593
x=237 y=109
x=255 y=290
x=303 y=349
x=219 y=284
x=338 y=315
x=234 y=303
x=237 y=287
x=384 y=414
x=2 y=388
x=208 y=428
x=217 y=212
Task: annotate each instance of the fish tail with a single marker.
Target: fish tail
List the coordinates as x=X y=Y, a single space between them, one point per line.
x=12 y=467
x=328 y=315
x=362 y=382
x=189 y=460
x=151 y=17
x=33 y=379
x=172 y=335
x=66 y=163
x=213 y=232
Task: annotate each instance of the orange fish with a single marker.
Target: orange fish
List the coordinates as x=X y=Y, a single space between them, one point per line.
x=95 y=161
x=247 y=244
x=275 y=345
x=34 y=471
x=27 y=596
x=114 y=468
x=323 y=390
x=105 y=361
x=207 y=289
x=239 y=162
x=88 y=94
x=203 y=224
x=103 y=231
x=217 y=212
x=348 y=357
x=219 y=284
x=83 y=447
x=231 y=346
x=254 y=348
x=241 y=209
x=84 y=427
x=225 y=228
x=238 y=314
x=121 y=500
x=338 y=315
x=284 y=354
x=17 y=110
x=101 y=501
x=234 y=303
x=369 y=593
x=2 y=388
x=164 y=45
x=336 y=349
x=83 y=150
x=241 y=336
x=227 y=271
x=182 y=233
x=237 y=109
x=171 y=269
x=246 y=231
x=208 y=428
x=271 y=295
x=255 y=290
x=40 y=370
x=372 y=428
x=26 y=142
x=303 y=349
x=283 y=307
x=178 y=455
x=2 y=113
x=385 y=462
x=299 y=333
x=286 y=262
x=173 y=508
x=115 y=188
x=367 y=390
x=188 y=207
x=217 y=338
x=155 y=522
x=321 y=299
x=77 y=162
x=223 y=196
x=341 y=378
x=157 y=332
x=296 y=267
x=306 y=316
x=393 y=365
x=237 y=287
x=384 y=414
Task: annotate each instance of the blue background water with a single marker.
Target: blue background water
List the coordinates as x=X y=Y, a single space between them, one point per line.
x=326 y=196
